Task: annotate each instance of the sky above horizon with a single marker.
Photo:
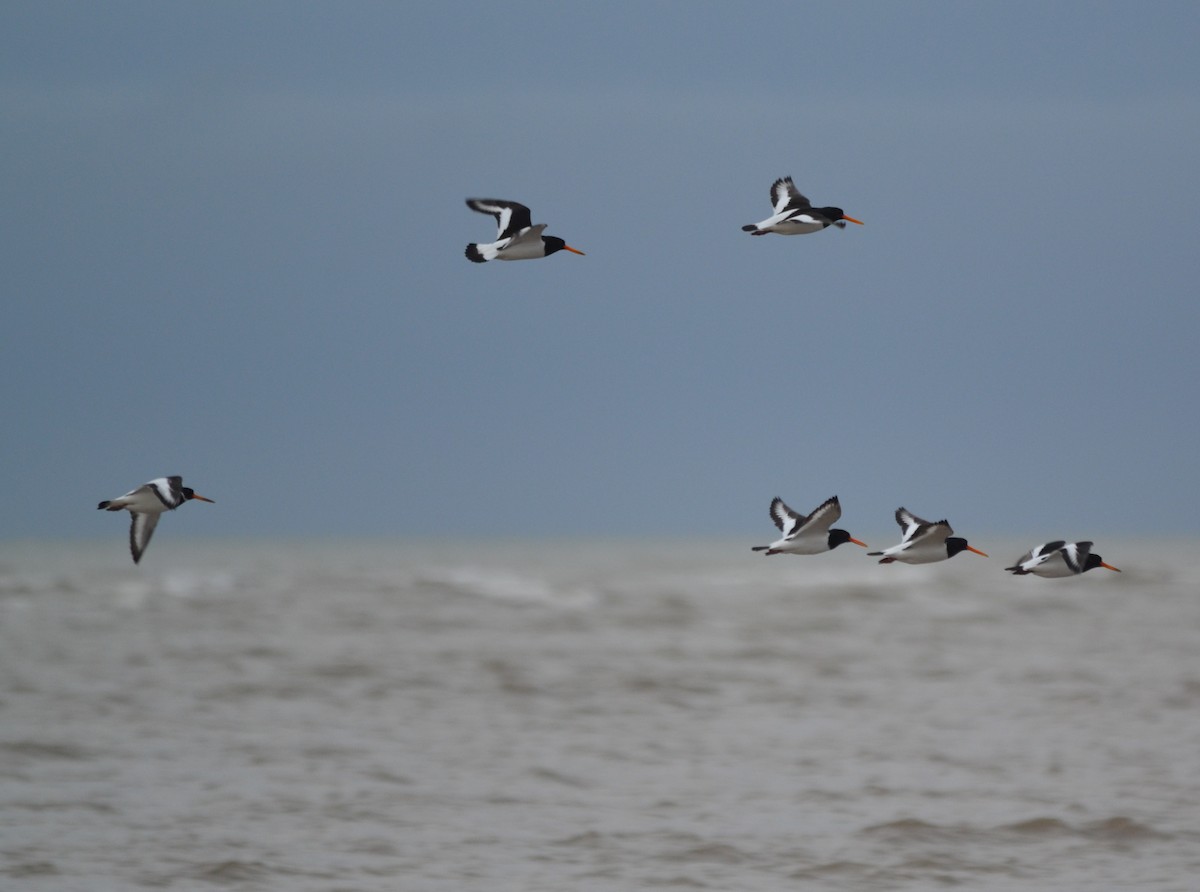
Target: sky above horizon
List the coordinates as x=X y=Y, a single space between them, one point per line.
x=233 y=250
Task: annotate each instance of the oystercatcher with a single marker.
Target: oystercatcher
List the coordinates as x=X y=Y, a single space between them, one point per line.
x=923 y=542
x=807 y=534
x=146 y=503
x=517 y=238
x=795 y=215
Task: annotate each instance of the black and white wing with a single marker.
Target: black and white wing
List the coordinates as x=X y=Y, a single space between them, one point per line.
x=824 y=515
x=785 y=518
x=1036 y=556
x=785 y=196
x=511 y=216
x=141 y=528
x=917 y=529
x=1075 y=554
x=168 y=490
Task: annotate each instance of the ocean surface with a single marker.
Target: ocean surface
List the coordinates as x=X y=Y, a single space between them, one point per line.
x=562 y=715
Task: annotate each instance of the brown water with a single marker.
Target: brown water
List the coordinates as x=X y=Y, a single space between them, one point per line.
x=603 y=716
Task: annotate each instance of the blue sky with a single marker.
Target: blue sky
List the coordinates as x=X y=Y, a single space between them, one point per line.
x=233 y=235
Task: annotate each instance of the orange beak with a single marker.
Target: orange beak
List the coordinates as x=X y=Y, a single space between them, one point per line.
x=197 y=495
x=856 y=542
x=573 y=250
x=976 y=550
x=1109 y=567
x=852 y=220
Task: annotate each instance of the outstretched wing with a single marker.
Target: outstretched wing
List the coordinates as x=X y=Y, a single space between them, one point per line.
x=141 y=528
x=511 y=216
x=915 y=528
x=785 y=518
x=785 y=196
x=824 y=515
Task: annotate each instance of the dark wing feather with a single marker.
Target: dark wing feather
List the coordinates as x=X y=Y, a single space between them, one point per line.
x=511 y=216
x=915 y=528
x=1076 y=555
x=784 y=517
x=824 y=515
x=141 y=528
x=785 y=196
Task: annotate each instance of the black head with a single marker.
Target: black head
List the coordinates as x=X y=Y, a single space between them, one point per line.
x=841 y=537
x=836 y=216
x=554 y=244
x=189 y=494
x=955 y=544
x=1093 y=561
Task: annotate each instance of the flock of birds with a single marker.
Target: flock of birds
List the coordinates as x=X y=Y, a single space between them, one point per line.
x=518 y=238
x=921 y=542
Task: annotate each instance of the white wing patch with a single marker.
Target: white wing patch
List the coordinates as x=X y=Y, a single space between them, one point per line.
x=164 y=492
x=141 y=528
x=511 y=216
x=784 y=195
x=909 y=524
x=1076 y=555
x=785 y=518
x=501 y=212
x=808 y=218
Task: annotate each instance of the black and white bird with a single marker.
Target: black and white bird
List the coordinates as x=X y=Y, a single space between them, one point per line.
x=517 y=238
x=807 y=534
x=795 y=215
x=923 y=542
x=145 y=504
x=1059 y=558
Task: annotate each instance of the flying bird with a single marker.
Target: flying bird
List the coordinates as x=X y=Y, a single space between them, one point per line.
x=807 y=534
x=795 y=215
x=1059 y=558
x=145 y=504
x=517 y=238
x=923 y=542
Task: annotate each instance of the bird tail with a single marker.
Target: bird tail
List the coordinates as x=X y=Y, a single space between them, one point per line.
x=109 y=505
x=759 y=547
x=474 y=255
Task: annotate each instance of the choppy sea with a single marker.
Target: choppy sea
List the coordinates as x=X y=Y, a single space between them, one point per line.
x=561 y=715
